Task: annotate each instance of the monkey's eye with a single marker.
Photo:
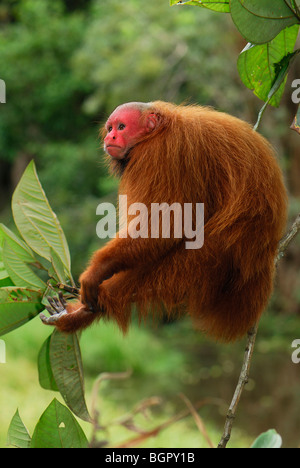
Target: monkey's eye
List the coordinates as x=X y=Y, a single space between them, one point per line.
x=121 y=127
x=109 y=129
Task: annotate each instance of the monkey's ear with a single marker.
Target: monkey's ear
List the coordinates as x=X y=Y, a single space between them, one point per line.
x=152 y=121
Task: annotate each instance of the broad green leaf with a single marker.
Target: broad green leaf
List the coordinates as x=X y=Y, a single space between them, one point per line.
x=296 y=123
x=46 y=377
x=16 y=255
x=66 y=365
x=18 y=435
x=268 y=8
x=259 y=21
x=35 y=220
x=21 y=249
x=215 y=5
x=19 y=271
x=269 y=439
x=57 y=428
x=17 y=307
x=259 y=65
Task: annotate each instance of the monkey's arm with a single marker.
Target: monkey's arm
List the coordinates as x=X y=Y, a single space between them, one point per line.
x=121 y=254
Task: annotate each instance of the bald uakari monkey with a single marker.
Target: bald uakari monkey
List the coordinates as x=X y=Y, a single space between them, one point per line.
x=166 y=153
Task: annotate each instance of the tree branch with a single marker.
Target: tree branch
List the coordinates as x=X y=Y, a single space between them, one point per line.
x=243 y=379
x=288 y=238
x=244 y=375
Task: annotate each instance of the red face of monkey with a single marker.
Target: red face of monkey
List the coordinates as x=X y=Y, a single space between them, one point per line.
x=124 y=128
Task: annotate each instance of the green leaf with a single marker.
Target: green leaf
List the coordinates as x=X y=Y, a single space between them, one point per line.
x=259 y=65
x=19 y=271
x=66 y=365
x=5 y=281
x=18 y=435
x=35 y=220
x=296 y=123
x=57 y=270
x=58 y=428
x=46 y=377
x=16 y=255
x=259 y=21
x=17 y=307
x=269 y=439
x=21 y=249
x=268 y=8
x=215 y=5
x=4 y=276
x=281 y=73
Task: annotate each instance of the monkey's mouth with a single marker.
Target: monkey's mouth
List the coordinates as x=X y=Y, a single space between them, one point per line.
x=113 y=151
x=111 y=146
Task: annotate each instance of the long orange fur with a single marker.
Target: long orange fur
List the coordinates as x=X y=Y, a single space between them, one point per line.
x=195 y=155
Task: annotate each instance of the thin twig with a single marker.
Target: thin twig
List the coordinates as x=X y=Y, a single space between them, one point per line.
x=198 y=420
x=70 y=289
x=141 y=407
x=136 y=441
x=244 y=375
x=94 y=413
x=99 y=380
x=243 y=379
x=288 y=238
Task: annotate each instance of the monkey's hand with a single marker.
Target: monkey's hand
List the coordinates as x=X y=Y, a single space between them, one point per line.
x=68 y=318
x=57 y=309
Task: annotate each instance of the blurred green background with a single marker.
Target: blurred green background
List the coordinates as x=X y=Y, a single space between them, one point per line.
x=66 y=65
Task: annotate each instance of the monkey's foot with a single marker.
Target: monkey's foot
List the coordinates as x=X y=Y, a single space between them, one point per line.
x=56 y=310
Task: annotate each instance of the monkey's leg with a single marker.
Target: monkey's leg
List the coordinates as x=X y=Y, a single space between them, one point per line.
x=153 y=288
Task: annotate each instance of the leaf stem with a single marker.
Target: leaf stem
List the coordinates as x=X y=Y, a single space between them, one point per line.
x=294 y=10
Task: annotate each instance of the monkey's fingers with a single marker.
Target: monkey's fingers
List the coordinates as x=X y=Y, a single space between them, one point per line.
x=62 y=300
x=57 y=304
x=56 y=309
x=53 y=319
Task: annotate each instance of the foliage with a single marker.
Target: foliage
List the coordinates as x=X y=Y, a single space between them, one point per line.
x=272 y=30
x=39 y=92
x=269 y=439
x=65 y=70
x=36 y=263
x=85 y=64
x=56 y=421
x=43 y=247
